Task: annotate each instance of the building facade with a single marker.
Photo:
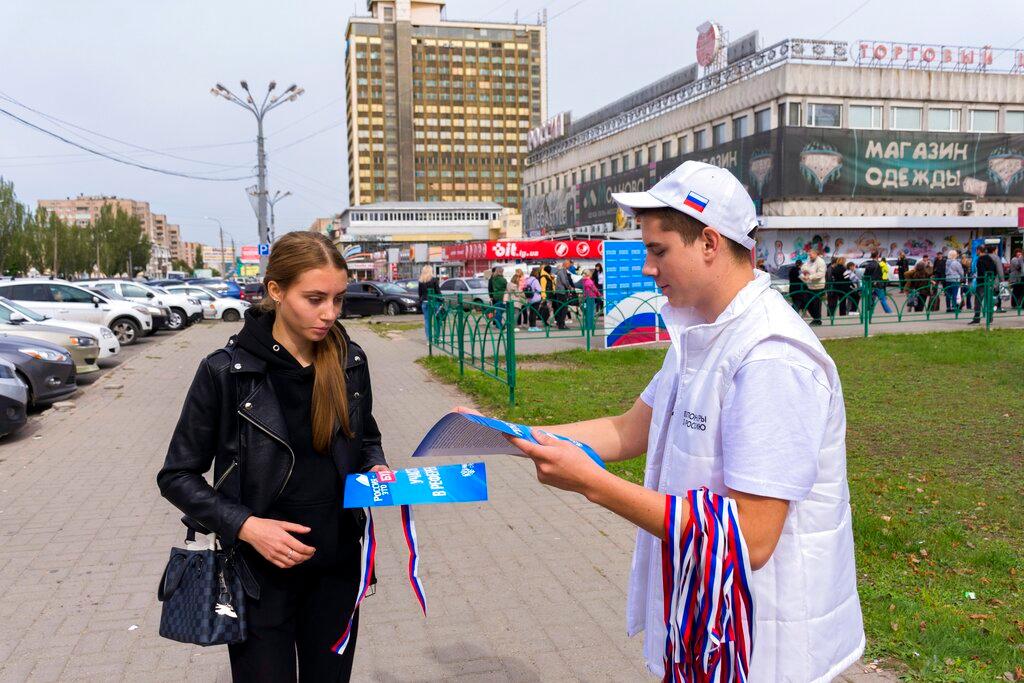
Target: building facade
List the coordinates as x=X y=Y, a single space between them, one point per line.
x=439 y=110
x=814 y=130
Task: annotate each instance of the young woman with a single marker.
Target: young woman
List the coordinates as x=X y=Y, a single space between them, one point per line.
x=283 y=413
x=428 y=285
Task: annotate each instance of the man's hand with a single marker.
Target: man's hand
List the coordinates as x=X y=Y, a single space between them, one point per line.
x=559 y=463
x=380 y=468
x=272 y=538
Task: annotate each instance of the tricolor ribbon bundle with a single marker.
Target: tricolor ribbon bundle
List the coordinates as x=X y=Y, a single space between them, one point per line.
x=367 y=559
x=709 y=611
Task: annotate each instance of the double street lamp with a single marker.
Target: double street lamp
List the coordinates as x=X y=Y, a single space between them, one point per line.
x=270 y=101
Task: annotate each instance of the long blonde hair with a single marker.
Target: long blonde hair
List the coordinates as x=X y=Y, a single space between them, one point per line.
x=292 y=255
x=426 y=273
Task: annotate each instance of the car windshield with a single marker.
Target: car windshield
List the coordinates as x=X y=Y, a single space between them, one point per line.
x=393 y=289
x=107 y=294
x=476 y=283
x=30 y=314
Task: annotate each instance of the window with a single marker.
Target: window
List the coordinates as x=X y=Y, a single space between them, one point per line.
x=824 y=115
x=790 y=113
x=700 y=139
x=762 y=120
x=33 y=292
x=1014 y=121
x=739 y=128
x=984 y=121
x=666 y=150
x=906 y=118
x=64 y=293
x=615 y=166
x=718 y=134
x=681 y=146
x=944 y=119
x=865 y=116
x=133 y=290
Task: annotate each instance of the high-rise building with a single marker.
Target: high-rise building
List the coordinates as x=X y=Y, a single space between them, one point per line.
x=439 y=110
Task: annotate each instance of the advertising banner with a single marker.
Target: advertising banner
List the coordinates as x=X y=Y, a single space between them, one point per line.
x=250 y=253
x=855 y=163
x=631 y=299
x=596 y=204
x=525 y=250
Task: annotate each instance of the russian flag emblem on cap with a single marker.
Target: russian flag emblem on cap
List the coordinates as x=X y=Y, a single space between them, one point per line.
x=696 y=201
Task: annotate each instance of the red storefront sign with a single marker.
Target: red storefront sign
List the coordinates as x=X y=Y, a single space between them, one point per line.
x=525 y=250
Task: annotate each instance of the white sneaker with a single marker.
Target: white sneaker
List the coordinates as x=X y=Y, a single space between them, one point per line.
x=534 y=329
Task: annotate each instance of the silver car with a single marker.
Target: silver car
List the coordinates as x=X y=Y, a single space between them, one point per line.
x=13 y=399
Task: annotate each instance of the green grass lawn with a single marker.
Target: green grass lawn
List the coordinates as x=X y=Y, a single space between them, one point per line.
x=935 y=449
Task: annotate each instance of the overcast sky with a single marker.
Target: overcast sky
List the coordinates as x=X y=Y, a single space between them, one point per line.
x=141 y=72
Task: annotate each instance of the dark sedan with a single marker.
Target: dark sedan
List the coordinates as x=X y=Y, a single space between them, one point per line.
x=374 y=298
x=46 y=368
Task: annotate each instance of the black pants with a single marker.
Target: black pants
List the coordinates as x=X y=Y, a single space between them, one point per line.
x=303 y=615
x=814 y=304
x=560 y=303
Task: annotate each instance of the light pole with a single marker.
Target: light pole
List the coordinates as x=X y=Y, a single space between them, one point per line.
x=259 y=111
x=278 y=196
x=223 y=270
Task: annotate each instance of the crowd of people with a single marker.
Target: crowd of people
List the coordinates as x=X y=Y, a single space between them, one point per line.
x=951 y=278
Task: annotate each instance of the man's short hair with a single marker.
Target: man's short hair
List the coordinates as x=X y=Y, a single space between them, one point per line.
x=690 y=229
x=874 y=253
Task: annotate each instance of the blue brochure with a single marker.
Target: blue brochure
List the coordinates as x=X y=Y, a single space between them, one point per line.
x=463 y=483
x=464 y=435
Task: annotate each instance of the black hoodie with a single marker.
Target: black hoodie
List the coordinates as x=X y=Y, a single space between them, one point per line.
x=313 y=494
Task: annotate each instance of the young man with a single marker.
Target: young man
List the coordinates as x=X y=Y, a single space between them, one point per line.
x=748 y=404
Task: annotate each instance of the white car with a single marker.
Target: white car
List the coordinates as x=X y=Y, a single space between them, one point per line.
x=226 y=308
x=62 y=300
x=184 y=310
x=109 y=346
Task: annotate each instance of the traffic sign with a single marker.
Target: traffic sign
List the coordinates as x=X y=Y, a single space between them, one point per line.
x=265 y=249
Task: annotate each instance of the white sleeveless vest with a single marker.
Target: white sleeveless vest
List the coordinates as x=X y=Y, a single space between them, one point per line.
x=808 y=623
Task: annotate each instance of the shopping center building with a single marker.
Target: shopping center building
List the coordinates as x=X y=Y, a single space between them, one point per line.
x=844 y=146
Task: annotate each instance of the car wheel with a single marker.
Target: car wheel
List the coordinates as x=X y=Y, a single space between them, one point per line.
x=392 y=308
x=126 y=330
x=177 y=319
x=230 y=316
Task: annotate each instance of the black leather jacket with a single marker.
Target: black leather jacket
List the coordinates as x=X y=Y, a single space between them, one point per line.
x=231 y=419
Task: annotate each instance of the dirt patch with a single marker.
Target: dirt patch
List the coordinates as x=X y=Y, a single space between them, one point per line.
x=543 y=365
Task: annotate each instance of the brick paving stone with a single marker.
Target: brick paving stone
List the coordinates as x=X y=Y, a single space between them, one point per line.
x=527 y=587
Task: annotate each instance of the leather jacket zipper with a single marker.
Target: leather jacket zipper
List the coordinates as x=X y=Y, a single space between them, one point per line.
x=280 y=441
x=222 y=477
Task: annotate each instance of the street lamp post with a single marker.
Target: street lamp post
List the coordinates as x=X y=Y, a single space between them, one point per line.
x=259 y=111
x=278 y=196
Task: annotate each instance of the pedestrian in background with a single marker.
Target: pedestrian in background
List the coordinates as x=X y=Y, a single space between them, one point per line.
x=305 y=424
x=954 y=276
x=497 y=285
x=853 y=278
x=874 y=274
x=997 y=278
x=565 y=293
x=813 y=275
x=547 y=293
x=428 y=284
x=985 y=277
x=839 y=287
x=902 y=266
x=1017 y=279
x=797 y=288
x=533 y=291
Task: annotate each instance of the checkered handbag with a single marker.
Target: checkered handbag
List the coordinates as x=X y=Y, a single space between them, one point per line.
x=203 y=598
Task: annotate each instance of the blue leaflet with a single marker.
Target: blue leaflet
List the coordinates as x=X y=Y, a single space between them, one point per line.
x=463 y=483
x=463 y=435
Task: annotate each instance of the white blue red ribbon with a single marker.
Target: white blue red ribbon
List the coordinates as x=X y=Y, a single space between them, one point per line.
x=709 y=609
x=409 y=526
x=366 y=563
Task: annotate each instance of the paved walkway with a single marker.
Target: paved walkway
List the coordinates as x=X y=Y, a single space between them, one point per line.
x=527 y=587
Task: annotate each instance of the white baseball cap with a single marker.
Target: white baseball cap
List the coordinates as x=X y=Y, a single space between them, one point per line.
x=708 y=193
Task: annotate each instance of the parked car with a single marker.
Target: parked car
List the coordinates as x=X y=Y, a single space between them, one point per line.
x=472 y=289
x=83 y=348
x=182 y=310
x=893 y=275
x=47 y=369
x=219 y=286
x=412 y=288
x=13 y=399
x=253 y=292
x=109 y=346
x=63 y=300
x=161 y=315
x=374 y=298
x=214 y=307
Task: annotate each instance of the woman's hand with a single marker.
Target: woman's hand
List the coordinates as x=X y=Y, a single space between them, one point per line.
x=272 y=538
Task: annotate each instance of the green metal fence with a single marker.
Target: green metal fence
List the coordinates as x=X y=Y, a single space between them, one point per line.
x=483 y=336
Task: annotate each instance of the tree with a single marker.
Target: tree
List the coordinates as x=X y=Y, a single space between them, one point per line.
x=199 y=257
x=178 y=264
x=120 y=242
x=13 y=225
